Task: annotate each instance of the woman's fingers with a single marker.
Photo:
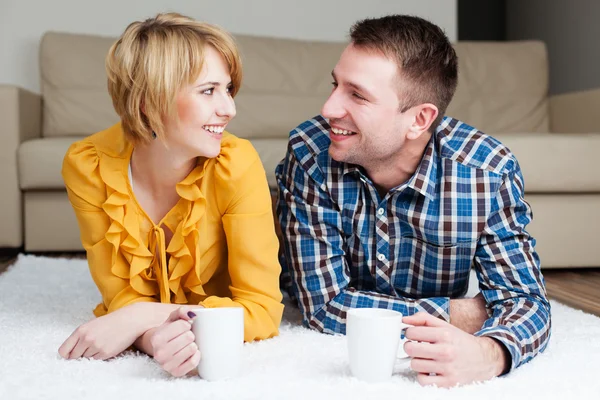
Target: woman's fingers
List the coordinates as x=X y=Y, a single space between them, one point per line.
x=164 y=334
x=180 y=342
x=174 y=364
x=188 y=365
x=184 y=313
x=91 y=352
x=65 y=349
x=80 y=348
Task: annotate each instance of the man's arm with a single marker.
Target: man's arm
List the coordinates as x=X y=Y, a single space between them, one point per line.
x=314 y=254
x=508 y=269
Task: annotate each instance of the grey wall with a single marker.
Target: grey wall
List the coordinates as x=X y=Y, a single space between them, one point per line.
x=22 y=22
x=571 y=30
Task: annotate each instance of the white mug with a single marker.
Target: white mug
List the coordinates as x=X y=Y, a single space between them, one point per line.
x=373 y=336
x=220 y=338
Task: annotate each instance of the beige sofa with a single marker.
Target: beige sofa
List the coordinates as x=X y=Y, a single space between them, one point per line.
x=502 y=91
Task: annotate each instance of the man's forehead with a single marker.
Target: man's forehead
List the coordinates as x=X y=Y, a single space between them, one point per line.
x=364 y=68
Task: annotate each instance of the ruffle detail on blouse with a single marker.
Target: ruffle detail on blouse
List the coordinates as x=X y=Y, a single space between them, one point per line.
x=130 y=259
x=183 y=269
x=187 y=236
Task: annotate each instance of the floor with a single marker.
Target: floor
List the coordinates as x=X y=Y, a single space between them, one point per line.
x=578 y=288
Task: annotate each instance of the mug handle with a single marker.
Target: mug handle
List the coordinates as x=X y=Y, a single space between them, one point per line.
x=400 y=354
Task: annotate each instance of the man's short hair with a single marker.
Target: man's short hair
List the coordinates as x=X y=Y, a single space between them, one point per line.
x=153 y=60
x=427 y=62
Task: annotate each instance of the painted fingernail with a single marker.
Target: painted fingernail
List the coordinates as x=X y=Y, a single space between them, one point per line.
x=191 y=314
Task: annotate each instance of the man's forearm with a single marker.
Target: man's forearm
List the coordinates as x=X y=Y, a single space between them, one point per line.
x=327 y=319
x=468 y=315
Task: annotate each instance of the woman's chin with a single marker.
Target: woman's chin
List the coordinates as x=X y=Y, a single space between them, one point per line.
x=209 y=151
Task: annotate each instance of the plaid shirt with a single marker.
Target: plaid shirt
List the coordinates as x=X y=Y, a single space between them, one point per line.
x=345 y=246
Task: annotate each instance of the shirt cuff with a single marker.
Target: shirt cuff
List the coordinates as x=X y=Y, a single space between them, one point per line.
x=439 y=307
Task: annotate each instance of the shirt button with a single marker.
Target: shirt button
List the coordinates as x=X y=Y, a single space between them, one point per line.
x=380 y=211
x=380 y=257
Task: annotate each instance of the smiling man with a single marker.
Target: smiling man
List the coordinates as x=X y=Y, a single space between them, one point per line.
x=385 y=203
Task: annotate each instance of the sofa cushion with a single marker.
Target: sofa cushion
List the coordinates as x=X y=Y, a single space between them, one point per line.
x=285 y=82
x=73 y=84
x=556 y=163
x=271 y=152
x=502 y=86
x=40 y=160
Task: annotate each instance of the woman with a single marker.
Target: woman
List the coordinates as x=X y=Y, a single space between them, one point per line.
x=172 y=209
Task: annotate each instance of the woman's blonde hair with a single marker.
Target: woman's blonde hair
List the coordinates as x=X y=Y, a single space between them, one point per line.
x=153 y=60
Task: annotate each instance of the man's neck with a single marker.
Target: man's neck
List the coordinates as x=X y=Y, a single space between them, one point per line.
x=388 y=174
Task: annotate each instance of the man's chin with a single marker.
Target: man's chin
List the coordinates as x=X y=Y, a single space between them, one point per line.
x=336 y=154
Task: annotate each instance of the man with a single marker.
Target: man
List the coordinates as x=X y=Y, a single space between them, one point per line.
x=385 y=203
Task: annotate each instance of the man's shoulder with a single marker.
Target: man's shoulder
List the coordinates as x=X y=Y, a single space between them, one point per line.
x=309 y=145
x=471 y=148
x=310 y=138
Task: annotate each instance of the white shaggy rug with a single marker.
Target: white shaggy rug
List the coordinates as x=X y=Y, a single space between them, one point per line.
x=43 y=299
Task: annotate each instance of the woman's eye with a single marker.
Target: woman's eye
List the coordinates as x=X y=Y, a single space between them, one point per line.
x=230 y=89
x=208 y=91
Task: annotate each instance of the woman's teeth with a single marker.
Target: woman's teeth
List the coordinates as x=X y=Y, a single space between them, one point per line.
x=214 y=128
x=342 y=132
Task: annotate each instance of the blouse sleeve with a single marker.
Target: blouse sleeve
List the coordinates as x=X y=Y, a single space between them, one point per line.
x=251 y=242
x=87 y=193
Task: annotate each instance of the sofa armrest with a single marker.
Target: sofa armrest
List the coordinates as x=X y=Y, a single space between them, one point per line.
x=575 y=112
x=21 y=119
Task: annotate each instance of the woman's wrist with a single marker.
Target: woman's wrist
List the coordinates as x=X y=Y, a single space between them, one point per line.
x=143 y=342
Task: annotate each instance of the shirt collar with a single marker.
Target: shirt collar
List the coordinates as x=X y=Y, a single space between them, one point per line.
x=424 y=179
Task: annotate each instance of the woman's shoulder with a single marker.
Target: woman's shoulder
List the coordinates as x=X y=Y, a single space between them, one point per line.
x=110 y=141
x=80 y=168
x=236 y=157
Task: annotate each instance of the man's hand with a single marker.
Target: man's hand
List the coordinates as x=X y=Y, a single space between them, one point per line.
x=468 y=314
x=104 y=337
x=173 y=343
x=454 y=356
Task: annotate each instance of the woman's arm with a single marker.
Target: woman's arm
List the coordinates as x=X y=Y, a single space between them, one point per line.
x=159 y=330
x=252 y=244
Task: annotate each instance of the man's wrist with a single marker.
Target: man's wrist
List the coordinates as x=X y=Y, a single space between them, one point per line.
x=499 y=356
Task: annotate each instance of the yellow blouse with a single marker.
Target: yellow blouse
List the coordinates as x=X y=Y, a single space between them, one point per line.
x=223 y=252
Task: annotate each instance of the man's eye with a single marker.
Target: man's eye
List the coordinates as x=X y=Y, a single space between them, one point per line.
x=334 y=84
x=358 y=96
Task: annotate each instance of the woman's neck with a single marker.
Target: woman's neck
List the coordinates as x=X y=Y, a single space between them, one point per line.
x=158 y=168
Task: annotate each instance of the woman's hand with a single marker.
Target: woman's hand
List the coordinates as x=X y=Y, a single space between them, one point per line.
x=103 y=337
x=173 y=343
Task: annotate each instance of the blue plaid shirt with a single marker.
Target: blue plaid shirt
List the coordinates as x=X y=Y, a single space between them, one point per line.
x=345 y=246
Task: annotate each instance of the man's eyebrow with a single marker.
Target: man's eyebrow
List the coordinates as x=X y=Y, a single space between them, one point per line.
x=353 y=85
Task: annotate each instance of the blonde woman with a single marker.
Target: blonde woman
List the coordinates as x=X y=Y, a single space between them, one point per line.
x=174 y=211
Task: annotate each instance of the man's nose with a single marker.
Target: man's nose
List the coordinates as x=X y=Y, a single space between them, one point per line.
x=333 y=107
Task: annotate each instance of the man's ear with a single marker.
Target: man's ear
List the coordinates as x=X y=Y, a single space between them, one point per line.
x=424 y=115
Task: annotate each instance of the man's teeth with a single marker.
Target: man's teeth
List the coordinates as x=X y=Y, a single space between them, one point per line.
x=214 y=129
x=342 y=132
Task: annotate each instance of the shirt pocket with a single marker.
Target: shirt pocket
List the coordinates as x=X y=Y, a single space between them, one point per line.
x=424 y=269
